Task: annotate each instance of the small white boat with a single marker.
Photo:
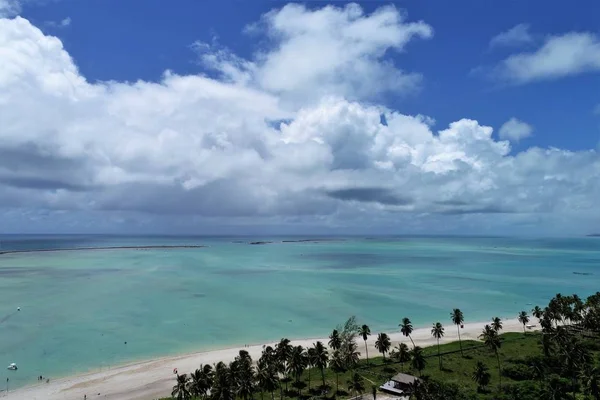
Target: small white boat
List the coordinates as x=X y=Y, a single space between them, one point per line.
x=12 y=367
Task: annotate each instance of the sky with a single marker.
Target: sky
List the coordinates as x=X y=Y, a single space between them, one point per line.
x=268 y=117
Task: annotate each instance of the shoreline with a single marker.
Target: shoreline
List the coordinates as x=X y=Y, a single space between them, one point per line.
x=153 y=378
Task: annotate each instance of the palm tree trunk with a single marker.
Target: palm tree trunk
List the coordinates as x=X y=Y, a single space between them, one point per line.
x=309 y=379
x=367 y=351
x=499 y=369
x=262 y=395
x=323 y=376
x=459 y=341
x=413 y=342
x=439 y=356
x=273 y=395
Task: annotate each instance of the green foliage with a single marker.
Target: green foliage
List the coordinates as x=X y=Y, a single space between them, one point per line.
x=365 y=332
x=383 y=343
x=481 y=376
x=458 y=319
x=181 y=388
x=523 y=319
x=561 y=362
x=418 y=361
x=335 y=341
x=497 y=324
x=349 y=331
x=438 y=332
x=356 y=384
x=430 y=389
x=518 y=372
x=400 y=354
x=526 y=390
x=406 y=328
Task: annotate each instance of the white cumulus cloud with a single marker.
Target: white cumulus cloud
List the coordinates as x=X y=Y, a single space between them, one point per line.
x=9 y=7
x=63 y=23
x=329 y=50
x=518 y=35
x=515 y=130
x=191 y=151
x=560 y=56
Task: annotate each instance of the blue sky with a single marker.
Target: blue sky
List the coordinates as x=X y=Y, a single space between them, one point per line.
x=124 y=40
x=437 y=64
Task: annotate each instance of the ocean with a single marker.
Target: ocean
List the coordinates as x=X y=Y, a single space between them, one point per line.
x=95 y=309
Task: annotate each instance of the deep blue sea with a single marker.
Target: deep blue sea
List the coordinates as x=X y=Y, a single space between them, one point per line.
x=79 y=308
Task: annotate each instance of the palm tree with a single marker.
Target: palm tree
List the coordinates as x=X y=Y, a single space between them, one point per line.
x=335 y=341
x=267 y=379
x=208 y=372
x=268 y=356
x=417 y=360
x=245 y=384
x=351 y=355
x=537 y=312
x=365 y=332
x=233 y=377
x=458 y=319
x=590 y=379
x=438 y=332
x=406 y=328
x=338 y=366
x=573 y=356
x=546 y=323
x=244 y=356
x=554 y=309
x=311 y=359
x=555 y=388
x=401 y=354
x=492 y=341
x=322 y=356
x=497 y=324
x=481 y=376
x=524 y=319
x=355 y=384
x=201 y=381
x=180 y=390
x=283 y=352
x=383 y=343
x=222 y=388
x=578 y=308
x=195 y=382
x=298 y=362
x=243 y=375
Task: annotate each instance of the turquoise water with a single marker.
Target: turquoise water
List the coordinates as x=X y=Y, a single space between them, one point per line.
x=79 y=308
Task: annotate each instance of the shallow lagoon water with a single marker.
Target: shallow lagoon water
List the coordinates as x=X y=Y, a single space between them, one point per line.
x=79 y=308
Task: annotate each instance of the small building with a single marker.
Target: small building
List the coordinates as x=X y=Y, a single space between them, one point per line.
x=400 y=384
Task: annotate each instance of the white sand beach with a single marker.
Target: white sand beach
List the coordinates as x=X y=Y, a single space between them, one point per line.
x=154 y=378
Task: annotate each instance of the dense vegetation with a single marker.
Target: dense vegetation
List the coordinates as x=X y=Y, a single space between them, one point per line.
x=560 y=362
